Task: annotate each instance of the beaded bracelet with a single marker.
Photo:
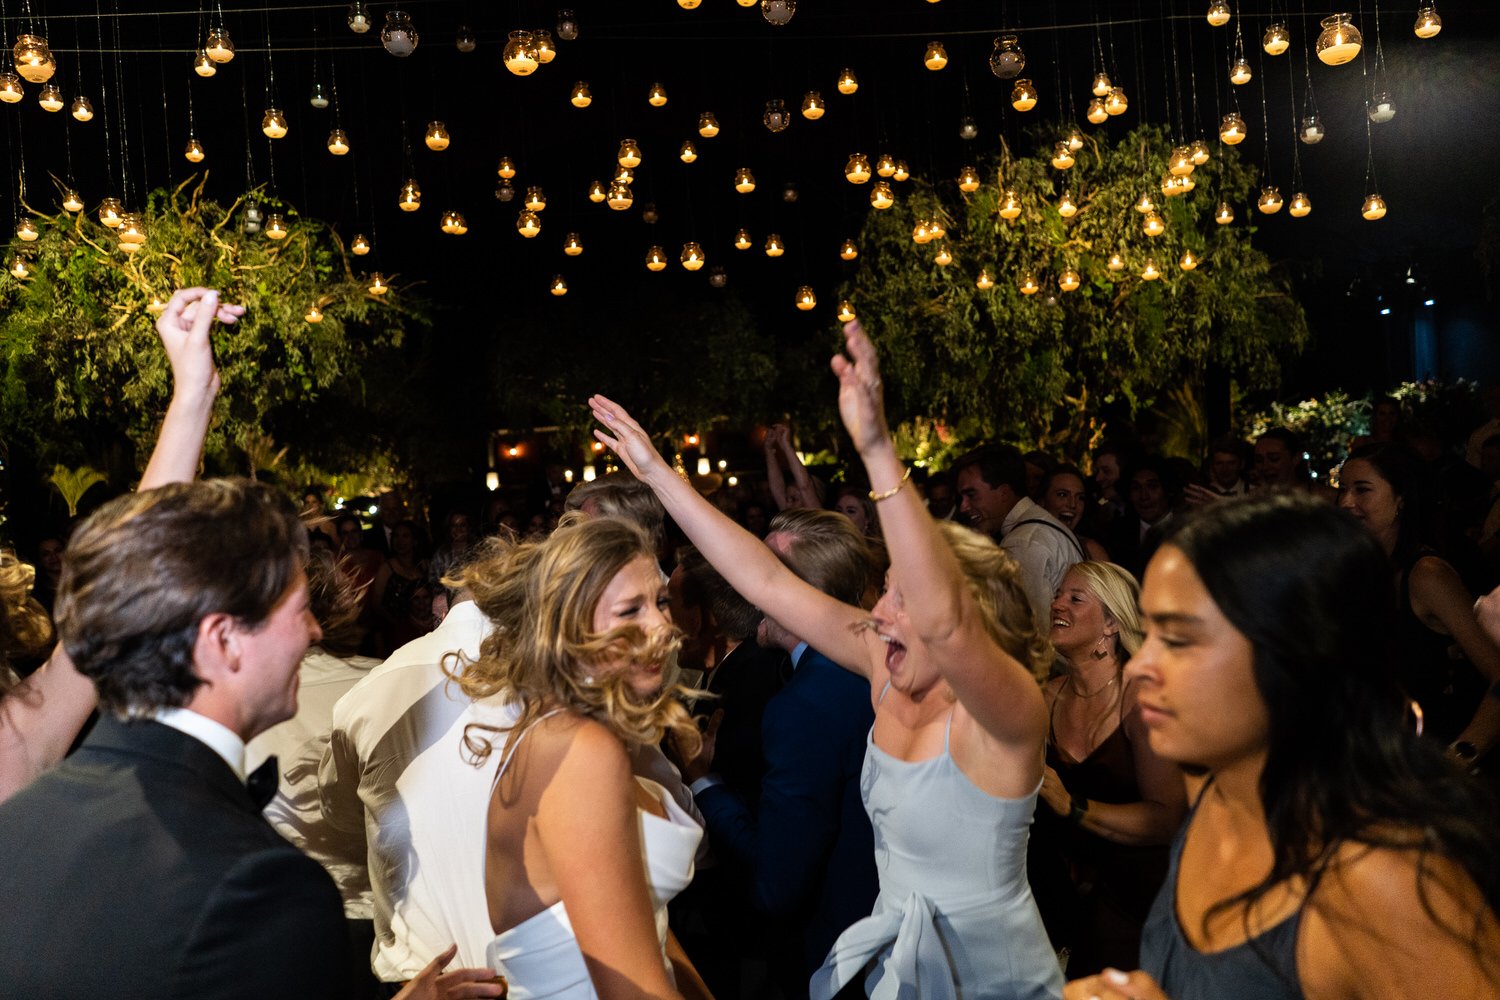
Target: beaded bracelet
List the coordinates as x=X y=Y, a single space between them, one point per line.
x=877 y=497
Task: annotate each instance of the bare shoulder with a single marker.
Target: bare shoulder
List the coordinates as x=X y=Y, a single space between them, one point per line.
x=1398 y=922
x=1433 y=570
x=582 y=748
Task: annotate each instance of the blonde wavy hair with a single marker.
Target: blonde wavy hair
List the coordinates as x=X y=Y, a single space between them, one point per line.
x=25 y=628
x=995 y=584
x=541 y=597
x=1120 y=596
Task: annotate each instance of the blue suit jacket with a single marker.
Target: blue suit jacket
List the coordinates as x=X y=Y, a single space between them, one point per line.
x=808 y=853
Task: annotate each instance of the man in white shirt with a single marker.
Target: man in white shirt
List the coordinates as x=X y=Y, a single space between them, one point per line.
x=992 y=489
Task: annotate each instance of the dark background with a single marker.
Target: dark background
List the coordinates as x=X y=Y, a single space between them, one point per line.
x=1436 y=161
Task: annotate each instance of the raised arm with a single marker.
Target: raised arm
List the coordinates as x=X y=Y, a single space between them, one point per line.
x=184 y=328
x=794 y=465
x=751 y=568
x=1440 y=599
x=993 y=687
x=775 y=478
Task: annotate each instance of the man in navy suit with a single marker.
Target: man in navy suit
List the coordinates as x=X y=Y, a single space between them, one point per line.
x=806 y=853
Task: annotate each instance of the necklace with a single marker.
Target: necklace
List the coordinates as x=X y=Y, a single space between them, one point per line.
x=1091 y=694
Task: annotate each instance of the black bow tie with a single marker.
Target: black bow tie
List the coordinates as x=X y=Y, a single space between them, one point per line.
x=262 y=783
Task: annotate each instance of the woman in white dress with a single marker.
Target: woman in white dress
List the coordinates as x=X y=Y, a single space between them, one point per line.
x=581 y=857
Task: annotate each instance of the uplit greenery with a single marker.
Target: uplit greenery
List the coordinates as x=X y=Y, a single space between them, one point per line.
x=1040 y=368
x=84 y=373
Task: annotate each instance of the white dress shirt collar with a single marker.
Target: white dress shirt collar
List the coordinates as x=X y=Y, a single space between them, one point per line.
x=216 y=736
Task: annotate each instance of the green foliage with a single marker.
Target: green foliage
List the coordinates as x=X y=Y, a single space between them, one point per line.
x=1040 y=368
x=82 y=364
x=72 y=484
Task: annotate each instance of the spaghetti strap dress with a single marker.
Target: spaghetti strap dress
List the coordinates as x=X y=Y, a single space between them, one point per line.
x=955 y=919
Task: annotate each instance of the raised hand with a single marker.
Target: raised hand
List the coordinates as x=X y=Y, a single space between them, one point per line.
x=861 y=401
x=183 y=327
x=624 y=437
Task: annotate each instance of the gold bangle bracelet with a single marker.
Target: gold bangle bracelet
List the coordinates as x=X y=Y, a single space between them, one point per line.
x=877 y=497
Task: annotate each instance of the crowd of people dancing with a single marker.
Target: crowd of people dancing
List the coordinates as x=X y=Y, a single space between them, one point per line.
x=1010 y=731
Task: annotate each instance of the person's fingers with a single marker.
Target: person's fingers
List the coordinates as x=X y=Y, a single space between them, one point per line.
x=481 y=982
x=431 y=969
x=857 y=343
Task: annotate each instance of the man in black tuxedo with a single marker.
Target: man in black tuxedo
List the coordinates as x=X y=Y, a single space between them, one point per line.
x=141 y=866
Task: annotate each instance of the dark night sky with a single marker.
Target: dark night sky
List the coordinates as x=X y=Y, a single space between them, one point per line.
x=1436 y=160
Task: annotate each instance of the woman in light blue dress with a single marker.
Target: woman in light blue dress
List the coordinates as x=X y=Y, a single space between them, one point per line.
x=954 y=762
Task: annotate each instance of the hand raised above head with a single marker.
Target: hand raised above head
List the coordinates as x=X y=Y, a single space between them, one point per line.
x=183 y=326
x=861 y=397
x=623 y=436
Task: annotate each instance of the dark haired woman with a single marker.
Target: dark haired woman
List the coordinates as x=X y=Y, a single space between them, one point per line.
x=1380 y=485
x=1329 y=853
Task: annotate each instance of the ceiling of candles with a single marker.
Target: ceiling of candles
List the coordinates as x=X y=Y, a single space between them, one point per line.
x=562 y=151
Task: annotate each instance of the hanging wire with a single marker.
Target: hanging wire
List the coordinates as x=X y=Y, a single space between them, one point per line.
x=1309 y=101
x=1193 y=81
x=1265 y=114
x=1291 y=90
x=109 y=166
x=127 y=192
x=1182 y=131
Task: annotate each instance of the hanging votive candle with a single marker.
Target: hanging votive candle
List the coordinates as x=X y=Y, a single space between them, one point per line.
x=619 y=196
x=656 y=96
x=624 y=175
x=1007 y=59
x=774 y=246
x=1381 y=108
x=1374 y=208
x=1150 y=272
x=1010 y=204
x=1276 y=40
x=1180 y=164
x=885 y=166
x=399 y=35
x=318 y=97
x=193 y=151
x=629 y=154
x=688 y=153
x=1188 y=261
x=777 y=12
x=51 y=98
x=34 y=60
x=1116 y=103
x=1028 y=283
x=708 y=125
x=437 y=138
x=273 y=123
x=848 y=82
x=776 y=117
x=967 y=127
x=378 y=285
x=1062 y=155
x=581 y=97
x=1428 y=23
x=1218 y=13
x=1301 y=205
x=219 y=46
x=1232 y=129
x=464 y=40
x=1096 y=113
x=968 y=180
x=110 y=212
x=528 y=223
x=1153 y=224
x=1023 y=95
x=597 y=192
x=520 y=54
x=545 y=50
x=691 y=256
x=846 y=311
x=656 y=259
x=806 y=299
x=1270 y=200
x=1198 y=152
x=1224 y=214
x=718 y=278
x=936 y=56
x=536 y=201
x=902 y=173
x=203 y=65
x=11 y=90
x=881 y=196
x=410 y=198
x=313 y=314
x=986 y=279
x=132 y=230
x=942 y=256
x=1144 y=204
x=359 y=17
x=1339 y=41
x=742 y=239
x=1075 y=139
x=813 y=106
x=338 y=142
x=1239 y=72
x=360 y=245
x=19 y=269
x=276 y=226
x=857 y=169
x=848 y=250
x=72 y=202
x=1069 y=280
x=1310 y=131
x=935 y=229
x=1116 y=262
x=27 y=232
x=1102 y=85
x=744 y=180
x=649 y=214
x=1066 y=206
x=567 y=26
